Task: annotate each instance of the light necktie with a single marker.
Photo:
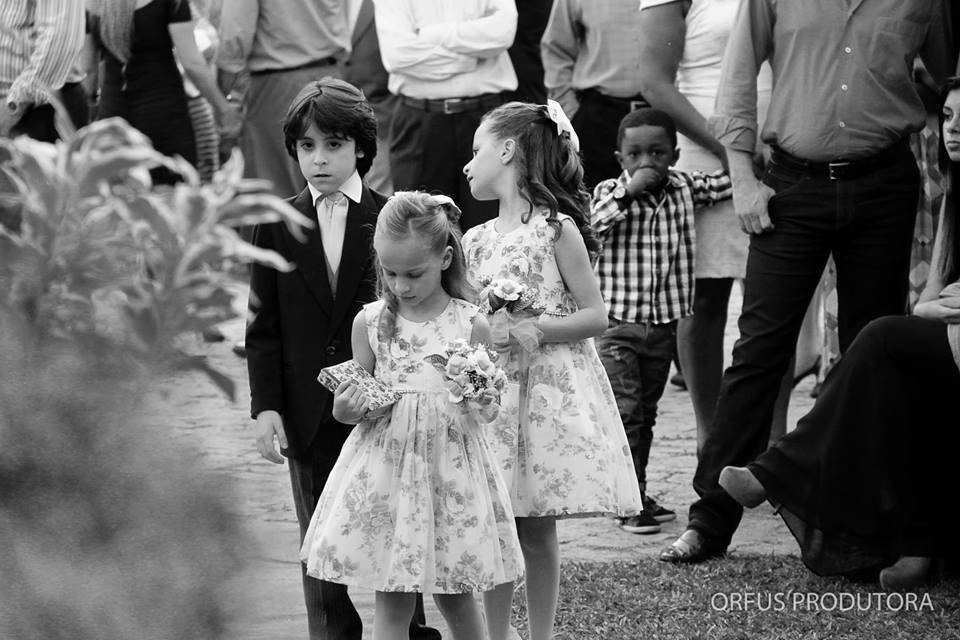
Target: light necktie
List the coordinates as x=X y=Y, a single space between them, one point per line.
x=330 y=230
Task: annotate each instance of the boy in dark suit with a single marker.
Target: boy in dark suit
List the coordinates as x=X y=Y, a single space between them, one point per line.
x=301 y=321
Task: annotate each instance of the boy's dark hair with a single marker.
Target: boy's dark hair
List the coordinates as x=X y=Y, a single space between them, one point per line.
x=651 y=118
x=336 y=107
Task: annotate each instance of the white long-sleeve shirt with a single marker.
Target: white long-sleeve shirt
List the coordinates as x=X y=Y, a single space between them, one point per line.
x=39 y=42
x=441 y=49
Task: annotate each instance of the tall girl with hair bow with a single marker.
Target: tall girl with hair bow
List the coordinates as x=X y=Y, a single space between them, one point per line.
x=564 y=453
x=415 y=503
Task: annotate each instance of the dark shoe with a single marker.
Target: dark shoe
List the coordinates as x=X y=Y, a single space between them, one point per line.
x=678 y=381
x=659 y=513
x=641 y=523
x=691 y=548
x=240 y=348
x=742 y=486
x=907 y=573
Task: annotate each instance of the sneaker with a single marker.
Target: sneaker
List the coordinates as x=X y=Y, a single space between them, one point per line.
x=659 y=513
x=642 y=523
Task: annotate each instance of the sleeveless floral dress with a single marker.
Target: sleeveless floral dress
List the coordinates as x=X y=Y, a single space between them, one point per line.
x=567 y=453
x=415 y=501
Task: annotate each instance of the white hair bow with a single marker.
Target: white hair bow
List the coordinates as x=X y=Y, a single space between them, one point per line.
x=555 y=113
x=448 y=205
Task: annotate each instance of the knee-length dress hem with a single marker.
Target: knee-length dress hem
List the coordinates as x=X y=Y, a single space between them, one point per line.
x=566 y=455
x=415 y=501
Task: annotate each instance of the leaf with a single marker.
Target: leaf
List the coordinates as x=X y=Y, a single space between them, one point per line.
x=113 y=165
x=439 y=362
x=262 y=208
x=250 y=253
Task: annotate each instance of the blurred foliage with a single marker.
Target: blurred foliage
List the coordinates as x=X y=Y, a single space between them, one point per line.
x=90 y=251
x=108 y=528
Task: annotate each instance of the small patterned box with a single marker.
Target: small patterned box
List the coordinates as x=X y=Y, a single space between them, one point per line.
x=380 y=395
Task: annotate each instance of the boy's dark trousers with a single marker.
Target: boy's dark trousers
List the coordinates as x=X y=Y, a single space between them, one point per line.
x=637 y=359
x=298 y=327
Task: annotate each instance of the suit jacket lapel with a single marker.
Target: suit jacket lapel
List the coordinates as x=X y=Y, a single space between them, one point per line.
x=309 y=257
x=357 y=253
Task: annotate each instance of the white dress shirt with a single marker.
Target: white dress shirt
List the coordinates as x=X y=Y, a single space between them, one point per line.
x=441 y=49
x=332 y=218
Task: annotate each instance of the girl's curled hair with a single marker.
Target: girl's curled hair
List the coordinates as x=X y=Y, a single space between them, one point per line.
x=434 y=220
x=549 y=167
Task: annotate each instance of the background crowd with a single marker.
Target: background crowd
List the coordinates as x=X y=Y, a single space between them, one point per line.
x=828 y=118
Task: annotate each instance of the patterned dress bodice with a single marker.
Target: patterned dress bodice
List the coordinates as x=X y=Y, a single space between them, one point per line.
x=400 y=360
x=525 y=255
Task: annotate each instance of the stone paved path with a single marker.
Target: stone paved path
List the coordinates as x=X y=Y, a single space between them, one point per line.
x=267 y=594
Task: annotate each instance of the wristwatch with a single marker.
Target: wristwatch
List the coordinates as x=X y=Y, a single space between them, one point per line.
x=621 y=197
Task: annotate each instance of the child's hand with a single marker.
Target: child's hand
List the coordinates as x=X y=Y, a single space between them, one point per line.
x=270 y=426
x=644 y=179
x=350 y=404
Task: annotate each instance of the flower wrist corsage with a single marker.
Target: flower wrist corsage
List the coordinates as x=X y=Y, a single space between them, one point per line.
x=514 y=318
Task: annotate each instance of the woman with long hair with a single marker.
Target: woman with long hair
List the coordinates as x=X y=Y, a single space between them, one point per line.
x=863 y=480
x=140 y=43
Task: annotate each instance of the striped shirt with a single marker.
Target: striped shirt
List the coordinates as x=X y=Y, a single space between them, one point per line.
x=39 y=42
x=646 y=266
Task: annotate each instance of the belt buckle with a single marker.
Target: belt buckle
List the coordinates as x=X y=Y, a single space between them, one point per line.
x=449 y=104
x=834 y=170
x=637 y=104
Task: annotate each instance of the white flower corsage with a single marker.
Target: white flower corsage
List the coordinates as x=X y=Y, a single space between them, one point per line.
x=471 y=374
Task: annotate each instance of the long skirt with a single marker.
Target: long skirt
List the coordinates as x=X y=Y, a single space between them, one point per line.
x=869 y=473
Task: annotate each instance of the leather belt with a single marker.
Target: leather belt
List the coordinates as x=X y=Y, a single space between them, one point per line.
x=322 y=62
x=631 y=104
x=842 y=169
x=450 y=106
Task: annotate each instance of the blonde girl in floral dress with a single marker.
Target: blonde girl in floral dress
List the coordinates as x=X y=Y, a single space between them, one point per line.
x=564 y=452
x=415 y=502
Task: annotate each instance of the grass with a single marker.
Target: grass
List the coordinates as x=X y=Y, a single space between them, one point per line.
x=648 y=599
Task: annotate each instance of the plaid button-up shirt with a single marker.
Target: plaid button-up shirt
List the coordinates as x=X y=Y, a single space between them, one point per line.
x=646 y=266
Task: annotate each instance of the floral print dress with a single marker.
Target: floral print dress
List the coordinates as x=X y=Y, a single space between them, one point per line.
x=415 y=501
x=567 y=453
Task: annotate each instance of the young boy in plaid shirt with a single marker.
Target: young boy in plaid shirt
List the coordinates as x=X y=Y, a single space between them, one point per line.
x=645 y=219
